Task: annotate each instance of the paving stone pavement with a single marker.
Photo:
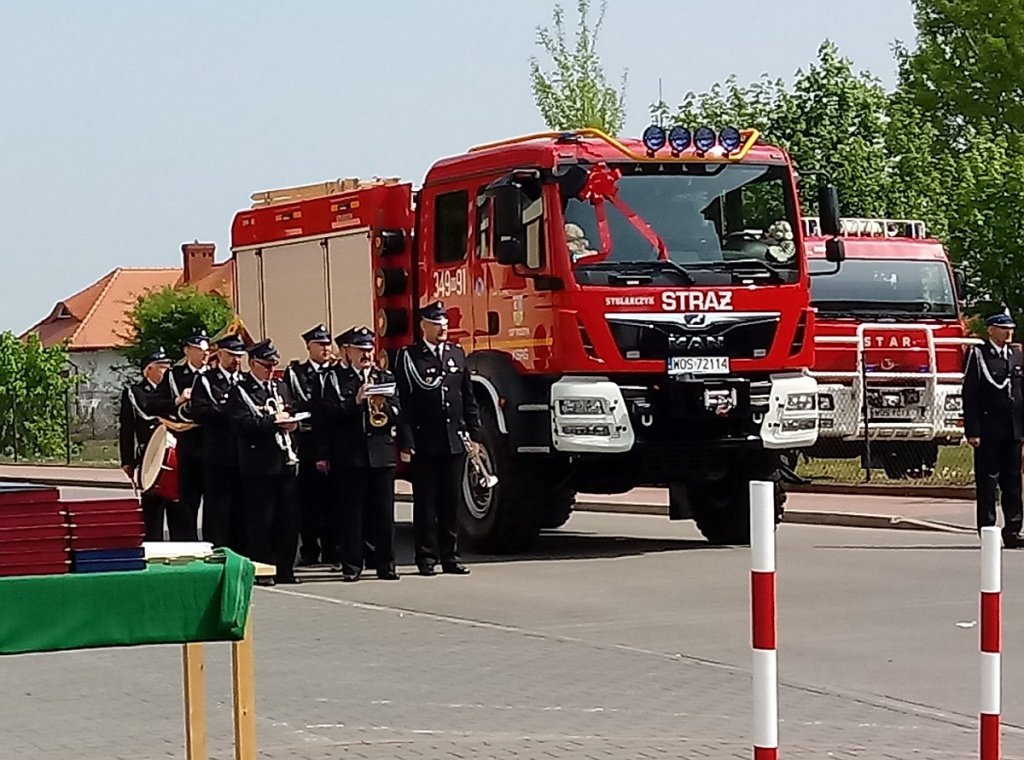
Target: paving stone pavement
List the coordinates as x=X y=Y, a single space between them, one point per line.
x=339 y=679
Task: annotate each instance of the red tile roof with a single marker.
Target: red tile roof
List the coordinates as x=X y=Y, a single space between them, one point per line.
x=94 y=318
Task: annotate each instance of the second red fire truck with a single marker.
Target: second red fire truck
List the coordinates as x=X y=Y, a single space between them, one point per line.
x=889 y=346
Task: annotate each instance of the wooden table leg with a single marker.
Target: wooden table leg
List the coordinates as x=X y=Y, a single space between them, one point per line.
x=244 y=692
x=194 y=669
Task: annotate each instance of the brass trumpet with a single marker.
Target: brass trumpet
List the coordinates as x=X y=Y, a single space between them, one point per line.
x=376 y=399
x=378 y=415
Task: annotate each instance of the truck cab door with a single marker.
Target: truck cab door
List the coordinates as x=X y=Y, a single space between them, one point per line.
x=484 y=270
x=445 y=277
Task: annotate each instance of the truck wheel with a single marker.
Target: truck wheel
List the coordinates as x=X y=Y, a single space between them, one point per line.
x=507 y=517
x=559 y=508
x=722 y=510
x=910 y=460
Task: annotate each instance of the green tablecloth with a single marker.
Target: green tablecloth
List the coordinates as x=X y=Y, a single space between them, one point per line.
x=162 y=604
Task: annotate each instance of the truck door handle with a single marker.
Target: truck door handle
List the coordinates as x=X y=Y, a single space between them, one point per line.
x=492 y=323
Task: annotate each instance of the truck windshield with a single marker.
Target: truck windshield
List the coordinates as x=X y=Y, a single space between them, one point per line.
x=883 y=287
x=682 y=218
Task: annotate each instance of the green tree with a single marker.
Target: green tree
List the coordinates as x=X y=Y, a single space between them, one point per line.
x=965 y=78
x=968 y=65
x=34 y=386
x=831 y=119
x=166 y=317
x=727 y=103
x=575 y=94
x=986 y=227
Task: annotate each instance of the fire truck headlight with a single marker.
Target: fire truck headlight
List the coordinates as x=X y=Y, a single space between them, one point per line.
x=599 y=430
x=704 y=138
x=730 y=139
x=792 y=426
x=826 y=402
x=679 y=139
x=581 y=406
x=801 y=402
x=654 y=138
x=954 y=403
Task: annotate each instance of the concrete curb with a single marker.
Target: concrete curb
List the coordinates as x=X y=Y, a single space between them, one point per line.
x=887 y=489
x=800 y=517
x=795 y=517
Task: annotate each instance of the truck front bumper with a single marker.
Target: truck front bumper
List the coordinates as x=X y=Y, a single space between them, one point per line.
x=591 y=415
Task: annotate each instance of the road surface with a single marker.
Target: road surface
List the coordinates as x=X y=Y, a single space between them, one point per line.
x=624 y=637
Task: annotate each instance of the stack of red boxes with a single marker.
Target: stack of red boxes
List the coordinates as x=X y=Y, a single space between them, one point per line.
x=34 y=535
x=106 y=535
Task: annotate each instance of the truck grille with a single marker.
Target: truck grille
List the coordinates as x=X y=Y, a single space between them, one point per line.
x=738 y=335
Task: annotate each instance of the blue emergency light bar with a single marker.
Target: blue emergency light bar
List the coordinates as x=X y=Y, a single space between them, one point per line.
x=680 y=138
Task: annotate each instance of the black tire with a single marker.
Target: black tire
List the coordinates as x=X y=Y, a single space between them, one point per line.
x=722 y=509
x=508 y=517
x=558 y=509
x=910 y=460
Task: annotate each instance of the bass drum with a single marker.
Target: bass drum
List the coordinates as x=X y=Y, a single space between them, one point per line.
x=159 y=472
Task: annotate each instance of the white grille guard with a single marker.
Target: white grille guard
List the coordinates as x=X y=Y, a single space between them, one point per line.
x=933 y=397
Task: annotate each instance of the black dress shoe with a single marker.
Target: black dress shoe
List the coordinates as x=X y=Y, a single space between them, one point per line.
x=308 y=561
x=265 y=581
x=456 y=568
x=349 y=576
x=289 y=580
x=427 y=570
x=387 y=575
x=1013 y=540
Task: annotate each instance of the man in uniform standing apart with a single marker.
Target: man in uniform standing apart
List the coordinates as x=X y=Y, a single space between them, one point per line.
x=438 y=410
x=222 y=523
x=174 y=402
x=993 y=401
x=305 y=383
x=138 y=420
x=258 y=406
x=360 y=441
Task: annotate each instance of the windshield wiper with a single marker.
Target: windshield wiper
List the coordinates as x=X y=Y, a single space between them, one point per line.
x=676 y=266
x=640 y=267
x=737 y=265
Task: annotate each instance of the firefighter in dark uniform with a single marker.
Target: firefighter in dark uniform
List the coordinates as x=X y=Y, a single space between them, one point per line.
x=174 y=403
x=440 y=418
x=993 y=403
x=360 y=413
x=322 y=431
x=305 y=383
x=260 y=406
x=137 y=421
x=222 y=519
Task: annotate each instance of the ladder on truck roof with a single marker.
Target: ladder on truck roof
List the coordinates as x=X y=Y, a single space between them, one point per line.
x=870 y=228
x=318 y=190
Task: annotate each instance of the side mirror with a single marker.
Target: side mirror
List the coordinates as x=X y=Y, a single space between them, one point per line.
x=835 y=251
x=828 y=210
x=509 y=230
x=960 y=284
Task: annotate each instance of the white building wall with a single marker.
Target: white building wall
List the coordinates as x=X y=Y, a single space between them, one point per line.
x=98 y=397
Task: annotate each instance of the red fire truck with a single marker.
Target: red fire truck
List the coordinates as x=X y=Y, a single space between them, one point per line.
x=636 y=312
x=889 y=346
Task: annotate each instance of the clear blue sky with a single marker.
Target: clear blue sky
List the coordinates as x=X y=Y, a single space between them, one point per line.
x=127 y=128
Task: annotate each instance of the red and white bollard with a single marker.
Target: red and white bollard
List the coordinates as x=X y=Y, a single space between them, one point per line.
x=762 y=608
x=991 y=633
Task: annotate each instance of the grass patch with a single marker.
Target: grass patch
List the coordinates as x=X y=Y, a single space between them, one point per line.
x=955 y=467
